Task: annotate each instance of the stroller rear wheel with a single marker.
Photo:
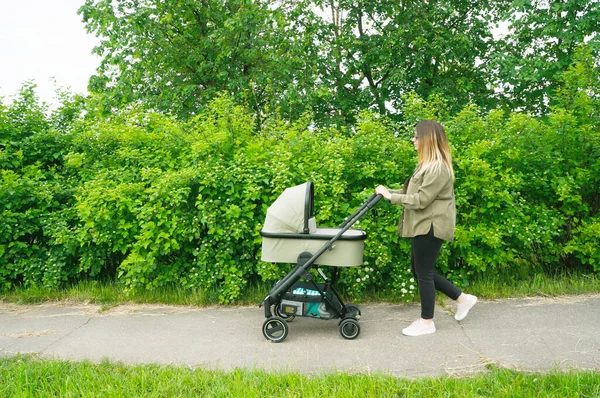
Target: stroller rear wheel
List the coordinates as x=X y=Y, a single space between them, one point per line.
x=349 y=328
x=275 y=329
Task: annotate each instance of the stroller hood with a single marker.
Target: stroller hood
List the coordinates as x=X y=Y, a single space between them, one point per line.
x=292 y=212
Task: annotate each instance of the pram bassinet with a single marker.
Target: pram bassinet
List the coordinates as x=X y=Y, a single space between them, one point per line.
x=291 y=235
x=290 y=229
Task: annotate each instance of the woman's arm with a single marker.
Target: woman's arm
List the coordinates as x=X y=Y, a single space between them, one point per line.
x=383 y=191
x=433 y=183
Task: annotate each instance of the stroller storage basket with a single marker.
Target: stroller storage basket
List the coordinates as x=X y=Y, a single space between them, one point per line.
x=310 y=302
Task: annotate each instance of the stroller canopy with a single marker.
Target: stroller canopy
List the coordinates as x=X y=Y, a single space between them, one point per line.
x=292 y=212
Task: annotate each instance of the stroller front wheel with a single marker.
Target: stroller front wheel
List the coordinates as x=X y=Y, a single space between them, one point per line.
x=275 y=329
x=349 y=328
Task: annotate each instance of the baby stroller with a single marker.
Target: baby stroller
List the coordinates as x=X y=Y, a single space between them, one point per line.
x=290 y=235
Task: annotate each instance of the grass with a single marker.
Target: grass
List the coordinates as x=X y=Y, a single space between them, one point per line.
x=110 y=294
x=27 y=376
x=562 y=284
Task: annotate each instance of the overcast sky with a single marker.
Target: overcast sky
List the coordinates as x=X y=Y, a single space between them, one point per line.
x=42 y=40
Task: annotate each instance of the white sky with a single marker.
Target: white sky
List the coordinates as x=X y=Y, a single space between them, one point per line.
x=44 y=40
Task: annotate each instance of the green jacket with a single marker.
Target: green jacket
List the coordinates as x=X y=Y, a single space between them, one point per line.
x=428 y=199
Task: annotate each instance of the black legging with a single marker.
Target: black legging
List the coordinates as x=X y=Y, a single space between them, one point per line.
x=425 y=250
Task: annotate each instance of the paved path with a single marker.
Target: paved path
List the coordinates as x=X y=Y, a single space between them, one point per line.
x=535 y=334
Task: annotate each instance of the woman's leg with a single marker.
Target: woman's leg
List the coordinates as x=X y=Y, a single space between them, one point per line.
x=424 y=253
x=445 y=286
x=425 y=250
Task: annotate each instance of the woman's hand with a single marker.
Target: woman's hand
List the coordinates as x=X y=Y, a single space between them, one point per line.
x=383 y=191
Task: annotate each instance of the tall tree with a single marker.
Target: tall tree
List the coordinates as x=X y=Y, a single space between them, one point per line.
x=331 y=57
x=540 y=45
x=335 y=57
x=376 y=52
x=176 y=55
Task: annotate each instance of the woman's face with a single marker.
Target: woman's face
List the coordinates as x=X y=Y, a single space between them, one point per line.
x=415 y=141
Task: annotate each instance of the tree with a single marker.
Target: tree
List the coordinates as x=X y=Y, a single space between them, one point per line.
x=334 y=58
x=541 y=43
x=330 y=57
x=175 y=56
x=374 y=53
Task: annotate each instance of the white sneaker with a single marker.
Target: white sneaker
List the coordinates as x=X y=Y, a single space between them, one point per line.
x=419 y=328
x=462 y=308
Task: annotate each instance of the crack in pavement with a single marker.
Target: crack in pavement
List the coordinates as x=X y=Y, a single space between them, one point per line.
x=484 y=360
x=66 y=335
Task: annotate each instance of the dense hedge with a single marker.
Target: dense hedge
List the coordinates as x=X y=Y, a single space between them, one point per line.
x=152 y=201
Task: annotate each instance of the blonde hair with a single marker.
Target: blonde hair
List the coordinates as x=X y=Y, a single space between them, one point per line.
x=433 y=148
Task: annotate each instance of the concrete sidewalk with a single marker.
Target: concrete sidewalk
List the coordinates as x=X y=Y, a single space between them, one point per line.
x=535 y=334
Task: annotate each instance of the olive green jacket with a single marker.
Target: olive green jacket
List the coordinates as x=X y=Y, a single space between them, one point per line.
x=428 y=199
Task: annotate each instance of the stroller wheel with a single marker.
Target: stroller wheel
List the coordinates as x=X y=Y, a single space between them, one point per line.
x=349 y=328
x=275 y=329
x=282 y=315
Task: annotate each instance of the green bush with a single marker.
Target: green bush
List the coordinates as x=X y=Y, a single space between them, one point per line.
x=151 y=201
x=32 y=191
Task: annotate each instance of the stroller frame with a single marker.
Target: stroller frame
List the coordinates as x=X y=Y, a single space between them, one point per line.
x=282 y=297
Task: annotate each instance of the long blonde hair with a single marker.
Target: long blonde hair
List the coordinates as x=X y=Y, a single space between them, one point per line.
x=433 y=148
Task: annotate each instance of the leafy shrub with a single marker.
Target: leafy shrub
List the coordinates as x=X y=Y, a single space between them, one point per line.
x=151 y=201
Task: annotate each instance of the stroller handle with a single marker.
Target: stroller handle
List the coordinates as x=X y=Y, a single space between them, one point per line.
x=369 y=204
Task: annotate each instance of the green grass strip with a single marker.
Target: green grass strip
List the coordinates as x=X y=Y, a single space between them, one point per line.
x=113 y=293
x=26 y=376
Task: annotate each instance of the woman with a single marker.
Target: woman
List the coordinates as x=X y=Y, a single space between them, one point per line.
x=429 y=218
